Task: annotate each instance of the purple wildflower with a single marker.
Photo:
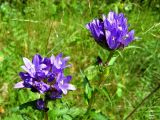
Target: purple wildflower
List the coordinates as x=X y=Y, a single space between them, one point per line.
x=62 y=83
x=40 y=105
x=111 y=32
x=45 y=75
x=36 y=73
x=59 y=63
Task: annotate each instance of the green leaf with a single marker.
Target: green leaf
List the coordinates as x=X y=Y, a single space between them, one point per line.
x=67 y=117
x=113 y=59
x=87 y=88
x=119 y=89
x=53 y=9
x=128 y=7
x=28 y=104
x=88 y=91
x=120 y=53
x=13 y=117
x=52 y=114
x=119 y=92
x=98 y=116
x=106 y=71
x=91 y=72
x=63 y=111
x=1 y=57
x=74 y=111
x=106 y=93
x=133 y=47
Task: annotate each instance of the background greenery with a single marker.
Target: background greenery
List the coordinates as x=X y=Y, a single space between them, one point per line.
x=49 y=27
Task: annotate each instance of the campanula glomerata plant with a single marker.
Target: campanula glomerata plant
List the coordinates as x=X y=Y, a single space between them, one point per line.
x=111 y=32
x=45 y=76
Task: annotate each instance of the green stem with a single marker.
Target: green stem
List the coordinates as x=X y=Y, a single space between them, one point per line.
x=99 y=83
x=148 y=96
x=46 y=112
x=50 y=31
x=45 y=115
x=89 y=5
x=109 y=57
x=91 y=102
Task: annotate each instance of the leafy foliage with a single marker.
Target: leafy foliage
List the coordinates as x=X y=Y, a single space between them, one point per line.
x=49 y=27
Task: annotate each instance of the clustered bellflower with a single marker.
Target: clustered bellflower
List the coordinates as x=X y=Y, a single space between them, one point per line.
x=45 y=76
x=111 y=32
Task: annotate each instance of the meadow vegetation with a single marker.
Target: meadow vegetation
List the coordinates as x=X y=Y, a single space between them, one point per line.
x=51 y=26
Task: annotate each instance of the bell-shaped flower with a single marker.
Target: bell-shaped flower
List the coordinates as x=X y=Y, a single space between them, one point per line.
x=111 y=32
x=59 y=63
x=62 y=83
x=45 y=75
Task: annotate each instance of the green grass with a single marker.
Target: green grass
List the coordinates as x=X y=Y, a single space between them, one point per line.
x=49 y=28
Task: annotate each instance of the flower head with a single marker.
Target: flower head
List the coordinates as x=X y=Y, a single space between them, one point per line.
x=45 y=75
x=111 y=32
x=34 y=75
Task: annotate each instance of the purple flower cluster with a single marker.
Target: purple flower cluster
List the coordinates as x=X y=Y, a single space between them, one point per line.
x=111 y=32
x=46 y=76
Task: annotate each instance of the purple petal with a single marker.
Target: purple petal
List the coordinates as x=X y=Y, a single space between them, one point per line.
x=108 y=34
x=40 y=75
x=25 y=69
x=28 y=83
x=56 y=94
x=111 y=17
x=59 y=77
x=64 y=90
x=24 y=75
x=88 y=26
x=40 y=105
x=67 y=79
x=29 y=67
x=41 y=86
x=27 y=63
x=66 y=87
x=71 y=87
x=52 y=58
x=58 y=61
x=42 y=66
x=130 y=38
x=32 y=73
x=19 y=85
x=36 y=60
x=66 y=59
x=51 y=77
